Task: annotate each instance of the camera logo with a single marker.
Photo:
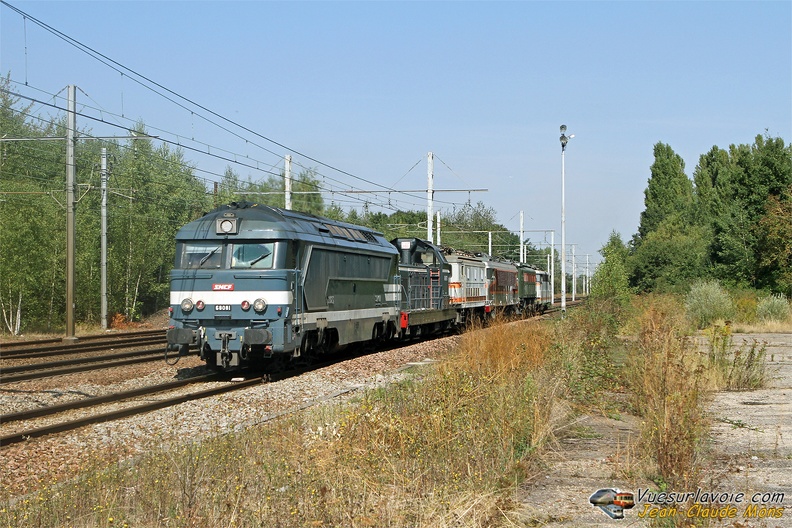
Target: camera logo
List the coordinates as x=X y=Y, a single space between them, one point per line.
x=612 y=501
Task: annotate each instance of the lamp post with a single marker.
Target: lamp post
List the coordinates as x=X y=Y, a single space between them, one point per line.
x=564 y=140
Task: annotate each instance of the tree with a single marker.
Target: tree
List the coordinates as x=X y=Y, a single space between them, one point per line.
x=669 y=192
x=732 y=192
x=157 y=194
x=610 y=280
x=669 y=257
x=32 y=244
x=775 y=249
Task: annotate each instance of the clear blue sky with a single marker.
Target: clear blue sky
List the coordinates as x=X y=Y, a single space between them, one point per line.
x=371 y=87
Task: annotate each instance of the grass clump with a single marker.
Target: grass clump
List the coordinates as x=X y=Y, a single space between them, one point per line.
x=671 y=375
x=773 y=308
x=708 y=302
x=732 y=368
x=667 y=387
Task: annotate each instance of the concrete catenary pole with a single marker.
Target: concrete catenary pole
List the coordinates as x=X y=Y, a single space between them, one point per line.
x=429 y=197
x=103 y=265
x=71 y=126
x=288 y=182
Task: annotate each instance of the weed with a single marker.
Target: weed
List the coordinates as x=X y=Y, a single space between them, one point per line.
x=773 y=308
x=666 y=384
x=708 y=302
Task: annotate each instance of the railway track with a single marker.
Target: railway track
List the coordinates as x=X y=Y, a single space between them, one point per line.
x=21 y=436
x=52 y=347
x=73 y=366
x=148 y=347
x=232 y=385
x=131 y=410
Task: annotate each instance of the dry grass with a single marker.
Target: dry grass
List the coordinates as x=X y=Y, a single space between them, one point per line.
x=769 y=327
x=667 y=389
x=444 y=448
x=671 y=376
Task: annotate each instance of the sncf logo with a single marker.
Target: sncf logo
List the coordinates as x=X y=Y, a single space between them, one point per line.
x=222 y=287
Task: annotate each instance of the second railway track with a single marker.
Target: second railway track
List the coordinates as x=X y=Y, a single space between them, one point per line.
x=131 y=410
x=48 y=347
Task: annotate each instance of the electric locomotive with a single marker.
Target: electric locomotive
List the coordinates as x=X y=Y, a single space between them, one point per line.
x=253 y=282
x=534 y=289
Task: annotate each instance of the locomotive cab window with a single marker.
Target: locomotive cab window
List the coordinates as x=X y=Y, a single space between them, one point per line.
x=252 y=255
x=425 y=257
x=193 y=255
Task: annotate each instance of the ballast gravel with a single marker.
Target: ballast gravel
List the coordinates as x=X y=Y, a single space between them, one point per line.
x=45 y=461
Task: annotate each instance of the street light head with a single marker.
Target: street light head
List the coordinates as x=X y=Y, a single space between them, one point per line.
x=573 y=135
x=563 y=129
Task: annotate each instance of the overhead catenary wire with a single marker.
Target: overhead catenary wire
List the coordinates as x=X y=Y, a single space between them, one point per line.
x=227 y=159
x=139 y=79
x=120 y=68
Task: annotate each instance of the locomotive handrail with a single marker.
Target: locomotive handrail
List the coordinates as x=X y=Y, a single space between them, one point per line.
x=299 y=301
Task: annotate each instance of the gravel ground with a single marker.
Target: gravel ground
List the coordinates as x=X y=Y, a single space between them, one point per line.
x=44 y=461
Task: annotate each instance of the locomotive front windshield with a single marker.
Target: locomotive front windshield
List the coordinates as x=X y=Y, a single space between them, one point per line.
x=213 y=255
x=194 y=255
x=252 y=255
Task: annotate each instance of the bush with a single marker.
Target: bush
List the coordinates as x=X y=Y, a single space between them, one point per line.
x=708 y=302
x=773 y=308
x=745 y=301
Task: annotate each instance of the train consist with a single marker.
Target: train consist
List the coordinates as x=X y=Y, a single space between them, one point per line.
x=254 y=284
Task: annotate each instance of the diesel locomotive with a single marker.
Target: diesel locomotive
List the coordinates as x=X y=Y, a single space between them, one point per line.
x=254 y=284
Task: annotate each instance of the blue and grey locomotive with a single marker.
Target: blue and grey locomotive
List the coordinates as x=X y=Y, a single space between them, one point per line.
x=253 y=282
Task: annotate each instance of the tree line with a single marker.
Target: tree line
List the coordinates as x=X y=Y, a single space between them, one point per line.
x=732 y=222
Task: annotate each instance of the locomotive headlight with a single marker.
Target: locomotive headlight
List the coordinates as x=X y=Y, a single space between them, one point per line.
x=187 y=305
x=200 y=305
x=259 y=305
x=226 y=226
x=246 y=305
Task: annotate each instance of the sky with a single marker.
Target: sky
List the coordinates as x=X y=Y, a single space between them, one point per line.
x=363 y=91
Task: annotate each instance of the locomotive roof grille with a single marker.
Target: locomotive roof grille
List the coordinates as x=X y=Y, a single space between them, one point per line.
x=244 y=220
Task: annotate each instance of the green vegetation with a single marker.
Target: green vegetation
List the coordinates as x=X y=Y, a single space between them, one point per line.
x=730 y=223
x=708 y=302
x=773 y=308
x=152 y=192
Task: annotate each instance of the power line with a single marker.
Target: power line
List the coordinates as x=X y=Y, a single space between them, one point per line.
x=199 y=151
x=120 y=68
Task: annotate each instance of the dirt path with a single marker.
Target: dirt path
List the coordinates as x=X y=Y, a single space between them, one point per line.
x=751 y=452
